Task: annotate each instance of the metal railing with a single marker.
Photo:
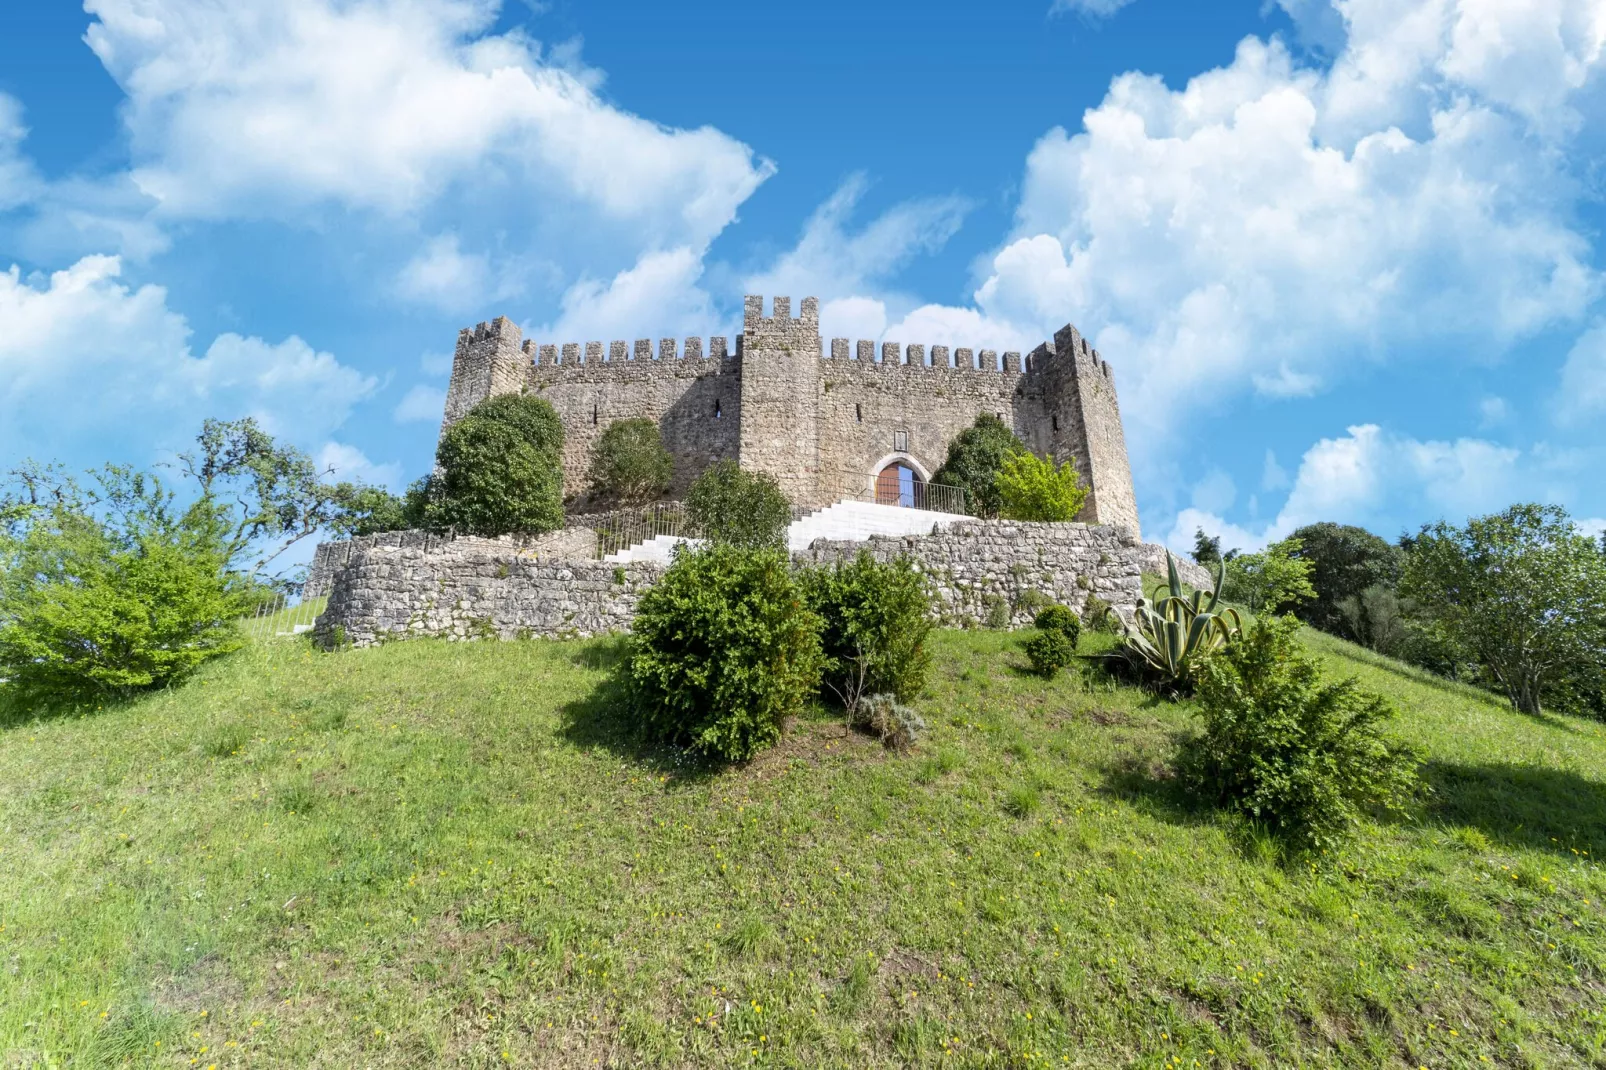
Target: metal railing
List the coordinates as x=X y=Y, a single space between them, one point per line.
x=281 y=616
x=935 y=497
x=665 y=518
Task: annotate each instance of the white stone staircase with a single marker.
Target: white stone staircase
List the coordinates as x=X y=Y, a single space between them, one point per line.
x=848 y=520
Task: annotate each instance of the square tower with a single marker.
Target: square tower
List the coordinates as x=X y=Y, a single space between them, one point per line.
x=780 y=358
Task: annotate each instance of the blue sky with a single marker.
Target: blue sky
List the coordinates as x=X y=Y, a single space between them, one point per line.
x=1345 y=259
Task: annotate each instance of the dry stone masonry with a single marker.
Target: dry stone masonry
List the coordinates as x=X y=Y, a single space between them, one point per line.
x=824 y=420
x=987 y=572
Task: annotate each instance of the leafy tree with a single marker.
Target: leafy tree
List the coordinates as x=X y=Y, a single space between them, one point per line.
x=501 y=470
x=369 y=510
x=877 y=618
x=1523 y=590
x=1034 y=488
x=729 y=505
x=1345 y=561
x=975 y=458
x=724 y=650
x=111 y=588
x=1270 y=580
x=1206 y=548
x=629 y=461
x=1284 y=747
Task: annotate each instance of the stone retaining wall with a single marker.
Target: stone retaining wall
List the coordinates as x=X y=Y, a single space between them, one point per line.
x=570 y=543
x=988 y=572
x=465 y=589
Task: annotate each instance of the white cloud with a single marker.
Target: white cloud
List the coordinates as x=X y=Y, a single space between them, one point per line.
x=1381 y=480
x=84 y=356
x=659 y=296
x=831 y=261
x=269 y=107
x=1273 y=476
x=18 y=182
x=1583 y=379
x=346 y=463
x=1493 y=411
x=1269 y=226
x=1096 y=9
x=1595 y=526
x=444 y=276
x=422 y=404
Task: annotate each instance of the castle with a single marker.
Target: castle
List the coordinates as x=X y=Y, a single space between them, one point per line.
x=828 y=424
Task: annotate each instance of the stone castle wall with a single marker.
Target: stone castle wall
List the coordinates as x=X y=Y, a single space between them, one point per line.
x=570 y=544
x=478 y=588
x=822 y=420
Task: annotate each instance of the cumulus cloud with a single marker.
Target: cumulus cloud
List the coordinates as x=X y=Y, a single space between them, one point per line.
x=266 y=107
x=18 y=182
x=1094 y=9
x=346 y=463
x=1269 y=225
x=422 y=404
x=84 y=355
x=1381 y=480
x=1583 y=379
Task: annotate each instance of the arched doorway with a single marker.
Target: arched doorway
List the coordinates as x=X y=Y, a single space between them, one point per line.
x=897 y=484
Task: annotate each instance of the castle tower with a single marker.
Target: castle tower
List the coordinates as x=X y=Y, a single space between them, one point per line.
x=780 y=359
x=1084 y=421
x=488 y=362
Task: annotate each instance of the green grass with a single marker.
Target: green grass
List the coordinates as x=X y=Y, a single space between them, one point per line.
x=433 y=853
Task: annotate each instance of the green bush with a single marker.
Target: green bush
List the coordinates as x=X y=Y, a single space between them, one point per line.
x=1050 y=650
x=1035 y=488
x=1273 y=579
x=99 y=604
x=876 y=619
x=974 y=460
x=729 y=505
x=1099 y=615
x=501 y=470
x=724 y=651
x=883 y=716
x=1303 y=756
x=629 y=461
x=1060 y=619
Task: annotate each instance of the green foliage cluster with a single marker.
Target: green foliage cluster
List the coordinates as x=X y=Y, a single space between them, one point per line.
x=1280 y=745
x=114 y=586
x=1050 y=650
x=1271 y=580
x=1346 y=561
x=1035 y=488
x=724 y=650
x=629 y=462
x=1174 y=632
x=1523 y=590
x=897 y=726
x=876 y=621
x=1054 y=646
x=739 y=508
x=1206 y=548
x=500 y=469
x=1060 y=619
x=975 y=458
x=369 y=510
x=111 y=591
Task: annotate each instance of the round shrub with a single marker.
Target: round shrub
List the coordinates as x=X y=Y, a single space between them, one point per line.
x=975 y=457
x=877 y=618
x=739 y=508
x=724 y=651
x=1060 y=619
x=1050 y=651
x=629 y=461
x=501 y=470
x=1035 y=488
x=1284 y=747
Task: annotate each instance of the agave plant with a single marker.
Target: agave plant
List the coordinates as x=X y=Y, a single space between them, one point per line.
x=1172 y=631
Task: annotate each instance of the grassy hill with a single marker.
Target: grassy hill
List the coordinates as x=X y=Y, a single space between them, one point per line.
x=434 y=853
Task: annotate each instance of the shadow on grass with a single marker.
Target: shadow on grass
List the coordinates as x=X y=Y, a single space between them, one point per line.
x=603 y=719
x=1520 y=805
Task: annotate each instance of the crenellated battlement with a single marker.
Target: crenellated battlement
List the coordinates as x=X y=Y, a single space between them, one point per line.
x=825 y=418
x=618 y=351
